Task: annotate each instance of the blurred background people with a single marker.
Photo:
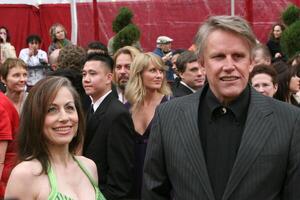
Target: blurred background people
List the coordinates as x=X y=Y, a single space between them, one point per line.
x=274 y=43
x=9 y=123
x=263 y=78
x=35 y=58
x=261 y=55
x=58 y=36
x=147 y=87
x=175 y=55
x=164 y=50
x=7 y=50
x=123 y=59
x=53 y=59
x=191 y=74
x=295 y=61
x=14 y=74
x=288 y=82
x=70 y=62
x=97 y=47
x=49 y=168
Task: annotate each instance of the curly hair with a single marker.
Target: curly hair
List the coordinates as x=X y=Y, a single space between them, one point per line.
x=72 y=56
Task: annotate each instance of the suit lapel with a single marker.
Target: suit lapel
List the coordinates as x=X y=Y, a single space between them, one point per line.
x=187 y=128
x=257 y=130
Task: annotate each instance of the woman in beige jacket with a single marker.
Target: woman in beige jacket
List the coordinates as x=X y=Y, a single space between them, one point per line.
x=6 y=49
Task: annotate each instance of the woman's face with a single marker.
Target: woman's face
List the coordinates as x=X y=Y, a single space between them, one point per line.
x=263 y=83
x=16 y=79
x=61 y=120
x=3 y=35
x=294 y=85
x=152 y=77
x=277 y=31
x=60 y=33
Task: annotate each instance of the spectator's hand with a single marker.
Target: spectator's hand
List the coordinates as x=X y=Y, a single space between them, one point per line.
x=3 y=38
x=278 y=55
x=32 y=52
x=167 y=57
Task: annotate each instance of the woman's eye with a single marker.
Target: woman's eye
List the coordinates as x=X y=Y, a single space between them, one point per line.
x=51 y=110
x=70 y=108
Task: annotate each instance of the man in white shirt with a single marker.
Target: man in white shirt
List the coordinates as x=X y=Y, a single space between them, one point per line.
x=109 y=130
x=35 y=58
x=192 y=75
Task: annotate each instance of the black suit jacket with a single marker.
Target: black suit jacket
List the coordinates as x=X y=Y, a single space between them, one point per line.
x=181 y=90
x=267 y=166
x=109 y=143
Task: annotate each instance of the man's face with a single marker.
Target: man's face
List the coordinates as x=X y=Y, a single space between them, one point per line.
x=96 y=79
x=194 y=75
x=227 y=62
x=34 y=45
x=259 y=58
x=122 y=70
x=166 y=47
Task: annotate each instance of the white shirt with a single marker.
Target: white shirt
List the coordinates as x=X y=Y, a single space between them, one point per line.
x=33 y=60
x=97 y=103
x=183 y=83
x=121 y=96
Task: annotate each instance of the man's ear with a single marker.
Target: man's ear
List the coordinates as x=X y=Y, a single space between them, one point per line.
x=2 y=80
x=276 y=87
x=251 y=66
x=180 y=74
x=109 y=77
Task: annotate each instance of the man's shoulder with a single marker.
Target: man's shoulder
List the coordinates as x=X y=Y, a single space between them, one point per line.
x=158 y=52
x=181 y=90
x=284 y=108
x=182 y=102
x=279 y=108
x=25 y=50
x=115 y=106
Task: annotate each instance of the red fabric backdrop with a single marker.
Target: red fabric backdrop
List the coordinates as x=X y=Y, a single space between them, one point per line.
x=178 y=19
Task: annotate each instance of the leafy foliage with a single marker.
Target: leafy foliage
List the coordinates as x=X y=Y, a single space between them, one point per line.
x=126 y=32
x=126 y=37
x=290 y=39
x=290 y=15
x=122 y=19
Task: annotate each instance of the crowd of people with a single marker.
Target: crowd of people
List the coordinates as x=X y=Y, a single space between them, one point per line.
x=220 y=120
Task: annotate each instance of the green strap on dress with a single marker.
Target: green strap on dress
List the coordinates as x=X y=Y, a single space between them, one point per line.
x=56 y=195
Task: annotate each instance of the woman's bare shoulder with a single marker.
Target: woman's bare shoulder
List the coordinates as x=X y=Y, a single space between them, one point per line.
x=89 y=165
x=25 y=180
x=27 y=169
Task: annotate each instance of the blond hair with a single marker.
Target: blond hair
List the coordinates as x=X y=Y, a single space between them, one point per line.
x=135 y=90
x=129 y=50
x=234 y=24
